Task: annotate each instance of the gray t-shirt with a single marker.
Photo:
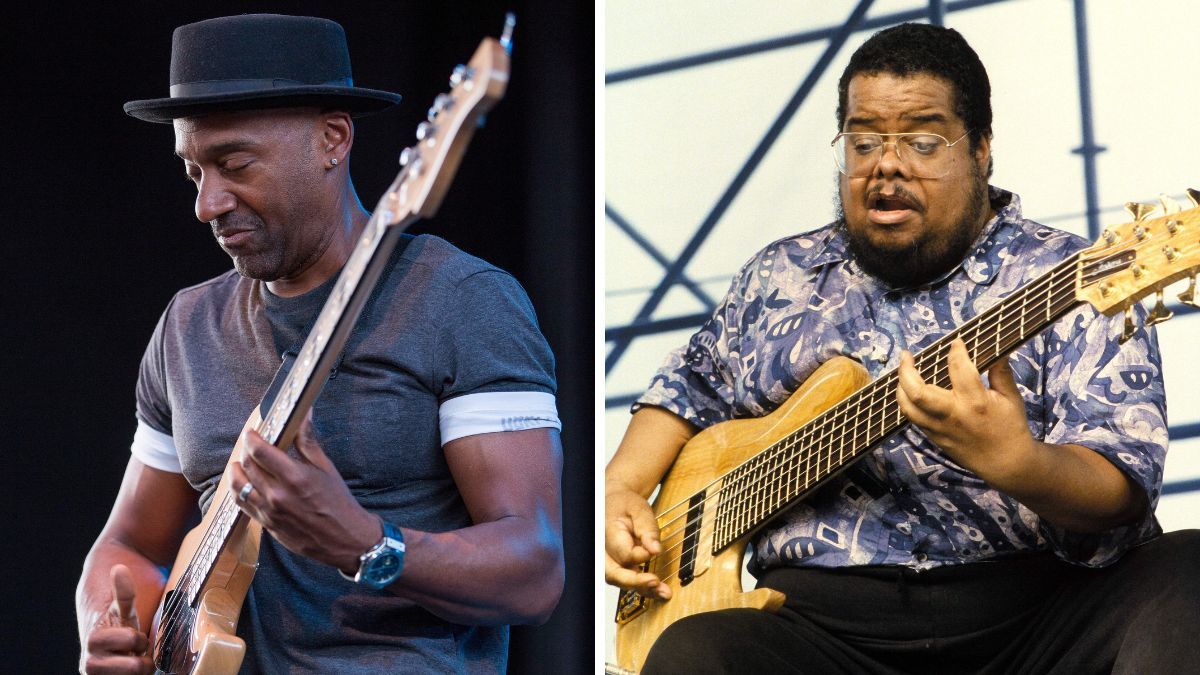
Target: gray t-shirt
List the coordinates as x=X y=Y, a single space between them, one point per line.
x=440 y=324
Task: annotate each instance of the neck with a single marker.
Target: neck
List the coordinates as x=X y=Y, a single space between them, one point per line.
x=350 y=218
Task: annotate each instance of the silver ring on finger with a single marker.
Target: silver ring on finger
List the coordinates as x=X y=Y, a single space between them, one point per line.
x=245 y=492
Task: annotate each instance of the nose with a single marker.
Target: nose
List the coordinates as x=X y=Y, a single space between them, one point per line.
x=890 y=163
x=213 y=198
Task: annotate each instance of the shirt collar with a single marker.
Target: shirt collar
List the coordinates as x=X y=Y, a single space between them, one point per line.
x=979 y=267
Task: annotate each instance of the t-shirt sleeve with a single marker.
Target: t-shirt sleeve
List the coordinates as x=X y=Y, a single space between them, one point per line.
x=152 y=442
x=153 y=407
x=495 y=369
x=1108 y=397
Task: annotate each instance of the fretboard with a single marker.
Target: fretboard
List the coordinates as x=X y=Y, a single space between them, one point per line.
x=304 y=381
x=796 y=465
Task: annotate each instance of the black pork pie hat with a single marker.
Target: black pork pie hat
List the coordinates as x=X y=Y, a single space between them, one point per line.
x=255 y=61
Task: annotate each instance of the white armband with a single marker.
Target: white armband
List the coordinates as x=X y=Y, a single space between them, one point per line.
x=155 y=449
x=496 y=411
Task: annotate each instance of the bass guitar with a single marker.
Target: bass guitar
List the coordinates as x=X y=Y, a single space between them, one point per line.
x=194 y=628
x=733 y=477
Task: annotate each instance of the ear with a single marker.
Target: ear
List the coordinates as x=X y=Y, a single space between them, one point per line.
x=337 y=136
x=983 y=155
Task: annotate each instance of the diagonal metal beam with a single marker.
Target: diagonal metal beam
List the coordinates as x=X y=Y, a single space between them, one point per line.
x=739 y=181
x=627 y=227
x=783 y=42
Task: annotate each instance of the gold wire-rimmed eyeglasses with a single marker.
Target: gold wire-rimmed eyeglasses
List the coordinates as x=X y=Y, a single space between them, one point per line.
x=925 y=154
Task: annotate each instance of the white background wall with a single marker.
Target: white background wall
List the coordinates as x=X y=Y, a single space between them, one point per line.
x=673 y=142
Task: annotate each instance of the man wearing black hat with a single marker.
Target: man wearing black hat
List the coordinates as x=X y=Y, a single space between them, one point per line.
x=433 y=446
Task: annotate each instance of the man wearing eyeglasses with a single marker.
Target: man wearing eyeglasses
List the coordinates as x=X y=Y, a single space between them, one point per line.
x=1010 y=527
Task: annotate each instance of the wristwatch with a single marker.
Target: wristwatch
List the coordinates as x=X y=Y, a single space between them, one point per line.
x=381 y=565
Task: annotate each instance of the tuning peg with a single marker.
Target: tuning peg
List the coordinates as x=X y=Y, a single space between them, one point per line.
x=407 y=155
x=1169 y=205
x=1129 y=329
x=442 y=103
x=1188 y=297
x=510 y=22
x=1194 y=195
x=1160 y=313
x=425 y=132
x=461 y=74
x=1138 y=210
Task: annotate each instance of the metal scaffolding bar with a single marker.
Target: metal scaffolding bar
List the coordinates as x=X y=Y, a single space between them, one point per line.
x=937 y=12
x=630 y=231
x=1088 y=150
x=651 y=327
x=739 y=181
x=751 y=48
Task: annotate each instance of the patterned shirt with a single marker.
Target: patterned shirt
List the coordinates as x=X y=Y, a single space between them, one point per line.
x=804 y=300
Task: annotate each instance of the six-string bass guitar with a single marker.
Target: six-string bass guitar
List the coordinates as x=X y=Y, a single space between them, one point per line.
x=733 y=477
x=194 y=628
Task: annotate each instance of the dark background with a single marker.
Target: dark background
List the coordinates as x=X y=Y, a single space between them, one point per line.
x=99 y=233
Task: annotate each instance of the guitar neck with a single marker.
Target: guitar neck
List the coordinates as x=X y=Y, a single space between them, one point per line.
x=799 y=463
x=307 y=377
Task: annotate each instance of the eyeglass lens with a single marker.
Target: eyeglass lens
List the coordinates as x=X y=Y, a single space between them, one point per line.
x=926 y=155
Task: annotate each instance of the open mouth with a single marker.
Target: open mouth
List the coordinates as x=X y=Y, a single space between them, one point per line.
x=888 y=209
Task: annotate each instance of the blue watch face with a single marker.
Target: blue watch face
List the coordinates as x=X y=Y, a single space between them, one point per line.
x=384 y=569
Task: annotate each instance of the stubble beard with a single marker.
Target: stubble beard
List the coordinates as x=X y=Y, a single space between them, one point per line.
x=265 y=261
x=929 y=256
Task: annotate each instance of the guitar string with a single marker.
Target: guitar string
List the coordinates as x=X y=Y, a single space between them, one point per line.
x=738 y=497
x=870 y=389
x=993 y=314
x=883 y=385
x=213 y=539
x=817 y=453
x=222 y=524
x=806 y=462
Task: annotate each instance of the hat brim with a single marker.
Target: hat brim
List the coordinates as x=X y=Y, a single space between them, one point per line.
x=358 y=101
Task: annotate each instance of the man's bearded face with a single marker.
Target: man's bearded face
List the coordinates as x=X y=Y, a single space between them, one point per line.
x=902 y=229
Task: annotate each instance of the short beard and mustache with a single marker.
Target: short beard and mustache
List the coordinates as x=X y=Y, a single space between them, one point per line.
x=930 y=256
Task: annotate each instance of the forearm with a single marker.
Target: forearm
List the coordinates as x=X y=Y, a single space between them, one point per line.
x=93 y=595
x=1073 y=487
x=509 y=571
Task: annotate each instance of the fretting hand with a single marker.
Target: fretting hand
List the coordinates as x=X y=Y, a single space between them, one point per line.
x=302 y=501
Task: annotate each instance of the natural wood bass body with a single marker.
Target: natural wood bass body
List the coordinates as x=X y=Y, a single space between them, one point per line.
x=709 y=455
x=214 y=646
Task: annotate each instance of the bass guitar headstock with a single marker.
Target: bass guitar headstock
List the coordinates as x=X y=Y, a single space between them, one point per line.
x=1159 y=246
x=430 y=163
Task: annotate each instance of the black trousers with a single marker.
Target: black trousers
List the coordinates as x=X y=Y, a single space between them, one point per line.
x=1032 y=614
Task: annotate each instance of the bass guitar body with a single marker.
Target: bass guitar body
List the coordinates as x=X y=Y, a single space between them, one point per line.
x=199 y=637
x=715 y=580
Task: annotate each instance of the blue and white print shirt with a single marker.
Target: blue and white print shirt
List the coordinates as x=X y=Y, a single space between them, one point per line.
x=804 y=300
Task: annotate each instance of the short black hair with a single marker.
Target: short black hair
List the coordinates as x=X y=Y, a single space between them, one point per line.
x=917 y=48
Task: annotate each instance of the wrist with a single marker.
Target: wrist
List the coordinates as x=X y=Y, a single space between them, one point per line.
x=1029 y=463
x=367 y=532
x=383 y=562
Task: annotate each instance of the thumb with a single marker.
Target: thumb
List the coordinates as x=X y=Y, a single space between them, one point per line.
x=1000 y=377
x=309 y=448
x=123 y=592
